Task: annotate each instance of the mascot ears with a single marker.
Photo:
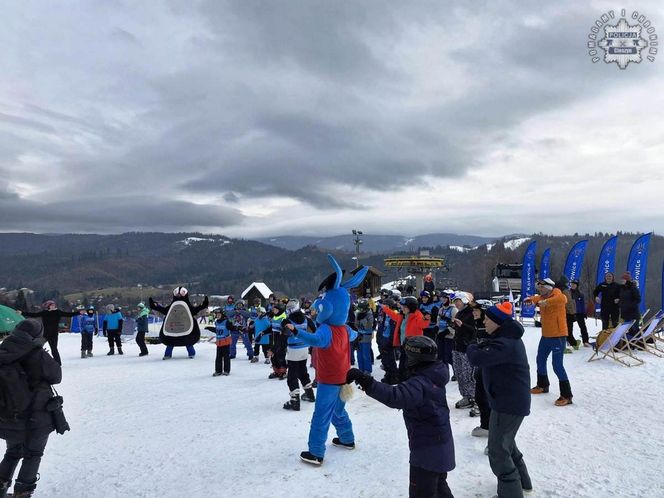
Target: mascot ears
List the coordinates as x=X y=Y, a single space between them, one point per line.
x=355 y=281
x=180 y=292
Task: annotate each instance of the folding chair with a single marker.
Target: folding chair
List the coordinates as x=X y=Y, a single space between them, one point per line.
x=617 y=347
x=647 y=339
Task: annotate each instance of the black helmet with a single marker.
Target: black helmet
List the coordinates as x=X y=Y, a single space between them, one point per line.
x=411 y=303
x=420 y=349
x=280 y=307
x=363 y=304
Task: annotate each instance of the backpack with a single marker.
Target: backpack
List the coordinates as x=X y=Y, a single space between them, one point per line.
x=15 y=395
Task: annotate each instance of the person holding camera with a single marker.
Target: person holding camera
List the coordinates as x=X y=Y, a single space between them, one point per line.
x=27 y=427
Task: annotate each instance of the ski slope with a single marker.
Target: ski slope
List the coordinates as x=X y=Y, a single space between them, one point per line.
x=143 y=427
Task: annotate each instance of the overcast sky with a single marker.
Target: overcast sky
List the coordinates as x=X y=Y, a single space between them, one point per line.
x=253 y=118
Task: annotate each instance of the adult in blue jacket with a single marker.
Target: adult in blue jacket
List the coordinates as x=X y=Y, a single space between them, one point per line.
x=425 y=412
x=506 y=375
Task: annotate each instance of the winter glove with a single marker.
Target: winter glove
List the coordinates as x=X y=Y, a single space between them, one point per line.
x=364 y=380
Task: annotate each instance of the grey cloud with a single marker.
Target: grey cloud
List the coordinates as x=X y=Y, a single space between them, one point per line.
x=9 y=119
x=290 y=99
x=112 y=214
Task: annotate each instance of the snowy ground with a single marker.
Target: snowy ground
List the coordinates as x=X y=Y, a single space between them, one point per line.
x=143 y=427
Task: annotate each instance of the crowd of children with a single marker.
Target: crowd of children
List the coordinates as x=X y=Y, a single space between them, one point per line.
x=419 y=338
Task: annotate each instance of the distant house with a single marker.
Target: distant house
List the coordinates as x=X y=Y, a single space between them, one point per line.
x=371 y=283
x=256 y=290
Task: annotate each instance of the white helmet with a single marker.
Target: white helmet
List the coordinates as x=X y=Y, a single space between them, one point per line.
x=461 y=296
x=292 y=306
x=180 y=292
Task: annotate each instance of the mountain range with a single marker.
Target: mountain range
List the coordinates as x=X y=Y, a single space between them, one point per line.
x=57 y=264
x=377 y=243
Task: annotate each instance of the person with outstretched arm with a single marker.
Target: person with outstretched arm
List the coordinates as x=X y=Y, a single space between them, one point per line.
x=426 y=414
x=50 y=318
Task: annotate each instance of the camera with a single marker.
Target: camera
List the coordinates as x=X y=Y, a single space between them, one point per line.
x=54 y=405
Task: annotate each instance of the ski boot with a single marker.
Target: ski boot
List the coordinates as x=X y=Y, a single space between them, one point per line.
x=464 y=403
x=309 y=457
x=294 y=403
x=110 y=353
x=83 y=355
x=309 y=394
x=90 y=355
x=22 y=490
x=120 y=351
x=479 y=432
x=337 y=442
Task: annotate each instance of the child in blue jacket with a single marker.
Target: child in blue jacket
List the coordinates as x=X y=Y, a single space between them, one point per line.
x=425 y=412
x=222 y=328
x=88 y=328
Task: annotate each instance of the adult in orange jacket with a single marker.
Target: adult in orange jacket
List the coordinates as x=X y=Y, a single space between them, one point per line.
x=409 y=323
x=552 y=302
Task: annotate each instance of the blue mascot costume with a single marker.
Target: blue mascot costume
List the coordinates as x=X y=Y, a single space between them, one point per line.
x=179 y=327
x=332 y=338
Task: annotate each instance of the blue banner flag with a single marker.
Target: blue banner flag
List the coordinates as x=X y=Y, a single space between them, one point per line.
x=545 y=267
x=637 y=265
x=574 y=263
x=528 y=280
x=607 y=259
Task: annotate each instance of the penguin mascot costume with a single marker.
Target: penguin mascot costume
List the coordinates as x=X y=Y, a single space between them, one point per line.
x=179 y=327
x=332 y=339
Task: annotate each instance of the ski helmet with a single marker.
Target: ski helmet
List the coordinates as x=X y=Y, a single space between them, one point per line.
x=420 y=349
x=410 y=302
x=425 y=294
x=292 y=306
x=363 y=304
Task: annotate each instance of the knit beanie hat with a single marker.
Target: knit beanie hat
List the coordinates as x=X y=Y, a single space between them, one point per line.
x=33 y=328
x=500 y=313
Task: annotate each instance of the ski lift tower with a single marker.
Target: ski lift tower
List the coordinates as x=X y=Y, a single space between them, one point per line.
x=416 y=265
